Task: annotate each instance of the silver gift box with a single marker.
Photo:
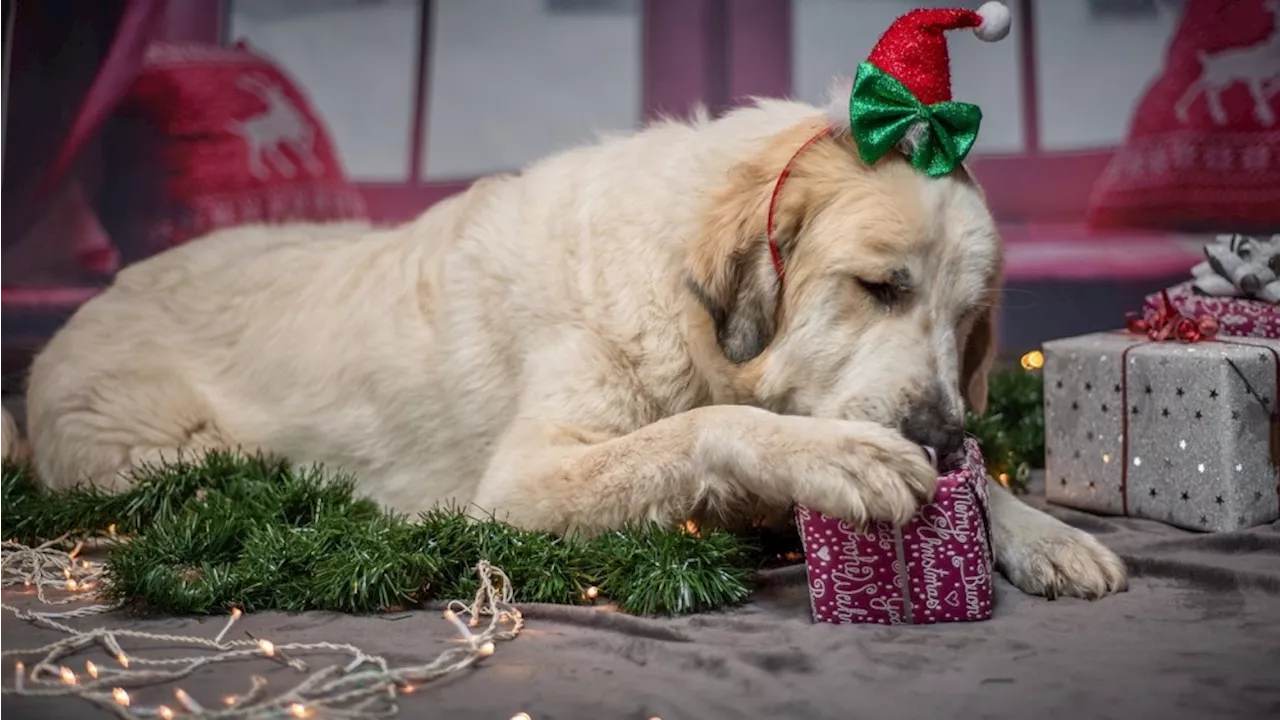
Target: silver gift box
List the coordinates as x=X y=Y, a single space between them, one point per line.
x=1183 y=433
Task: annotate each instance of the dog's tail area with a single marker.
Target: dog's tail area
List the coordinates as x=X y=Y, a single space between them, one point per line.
x=12 y=445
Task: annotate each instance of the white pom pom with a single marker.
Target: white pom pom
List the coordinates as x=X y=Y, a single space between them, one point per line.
x=995 y=22
x=837 y=107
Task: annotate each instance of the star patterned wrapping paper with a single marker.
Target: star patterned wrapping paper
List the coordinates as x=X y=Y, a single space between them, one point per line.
x=1182 y=433
x=935 y=569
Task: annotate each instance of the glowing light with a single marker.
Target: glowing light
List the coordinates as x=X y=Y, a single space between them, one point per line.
x=66 y=573
x=187 y=701
x=1182 y=444
x=1106 y=458
x=1004 y=479
x=124 y=661
x=68 y=676
x=449 y=615
x=71 y=585
x=521 y=716
x=165 y=712
x=407 y=689
x=593 y=592
x=19 y=674
x=1137 y=461
x=111 y=529
x=486 y=649
x=120 y=696
x=299 y=710
x=229 y=700
x=267 y=647
x=473 y=622
x=26 y=584
x=1033 y=360
x=91 y=669
x=235 y=615
x=1200 y=467
x=690 y=527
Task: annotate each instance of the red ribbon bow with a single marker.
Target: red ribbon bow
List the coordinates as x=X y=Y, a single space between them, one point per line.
x=1166 y=323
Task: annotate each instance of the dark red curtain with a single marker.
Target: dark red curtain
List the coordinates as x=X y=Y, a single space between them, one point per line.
x=71 y=63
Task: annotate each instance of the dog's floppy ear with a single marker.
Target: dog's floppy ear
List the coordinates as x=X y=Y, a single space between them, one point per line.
x=979 y=355
x=729 y=269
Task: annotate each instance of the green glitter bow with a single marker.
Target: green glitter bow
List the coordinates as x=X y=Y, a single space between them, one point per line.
x=882 y=110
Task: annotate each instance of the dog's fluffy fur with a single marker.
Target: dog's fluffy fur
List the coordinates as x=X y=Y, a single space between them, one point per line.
x=599 y=339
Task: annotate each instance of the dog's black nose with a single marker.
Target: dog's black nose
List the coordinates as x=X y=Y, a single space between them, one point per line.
x=946 y=439
x=931 y=423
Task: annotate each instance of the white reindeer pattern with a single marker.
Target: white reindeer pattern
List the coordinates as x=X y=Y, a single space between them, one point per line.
x=280 y=126
x=1257 y=66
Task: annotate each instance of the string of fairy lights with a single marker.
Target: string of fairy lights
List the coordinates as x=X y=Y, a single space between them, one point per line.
x=366 y=686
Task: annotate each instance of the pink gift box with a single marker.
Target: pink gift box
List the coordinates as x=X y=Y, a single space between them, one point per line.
x=935 y=569
x=1238 y=317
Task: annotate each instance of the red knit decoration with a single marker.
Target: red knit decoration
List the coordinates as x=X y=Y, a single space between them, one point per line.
x=1203 y=150
x=914 y=51
x=226 y=138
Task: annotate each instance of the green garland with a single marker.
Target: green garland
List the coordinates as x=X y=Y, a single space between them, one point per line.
x=1011 y=432
x=231 y=530
x=244 y=531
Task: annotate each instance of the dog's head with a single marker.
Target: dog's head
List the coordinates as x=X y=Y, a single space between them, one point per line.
x=891 y=280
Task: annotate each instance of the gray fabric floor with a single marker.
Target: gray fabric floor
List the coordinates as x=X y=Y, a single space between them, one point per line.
x=1196 y=636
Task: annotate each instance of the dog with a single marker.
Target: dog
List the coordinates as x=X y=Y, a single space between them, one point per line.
x=599 y=339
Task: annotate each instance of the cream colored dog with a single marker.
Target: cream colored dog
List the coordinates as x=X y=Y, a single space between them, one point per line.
x=599 y=339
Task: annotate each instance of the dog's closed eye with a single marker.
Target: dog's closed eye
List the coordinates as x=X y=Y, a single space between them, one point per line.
x=884 y=293
x=888 y=292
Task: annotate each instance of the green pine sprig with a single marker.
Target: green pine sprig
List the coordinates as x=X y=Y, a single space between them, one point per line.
x=1011 y=432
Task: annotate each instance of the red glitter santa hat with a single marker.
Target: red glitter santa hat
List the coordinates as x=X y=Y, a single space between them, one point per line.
x=901 y=96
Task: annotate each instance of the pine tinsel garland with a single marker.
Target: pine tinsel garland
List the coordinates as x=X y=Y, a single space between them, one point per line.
x=229 y=530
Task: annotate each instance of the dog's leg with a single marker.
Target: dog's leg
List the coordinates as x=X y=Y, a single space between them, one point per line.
x=558 y=477
x=1042 y=555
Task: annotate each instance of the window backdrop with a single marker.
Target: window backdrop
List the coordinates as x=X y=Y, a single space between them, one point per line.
x=425 y=95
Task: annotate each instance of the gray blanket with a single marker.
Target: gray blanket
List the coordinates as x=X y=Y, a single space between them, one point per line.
x=1196 y=636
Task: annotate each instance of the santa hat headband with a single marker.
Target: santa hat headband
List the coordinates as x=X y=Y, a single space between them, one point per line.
x=901 y=97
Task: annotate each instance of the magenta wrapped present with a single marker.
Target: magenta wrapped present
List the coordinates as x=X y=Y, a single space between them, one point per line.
x=936 y=569
x=1239 y=317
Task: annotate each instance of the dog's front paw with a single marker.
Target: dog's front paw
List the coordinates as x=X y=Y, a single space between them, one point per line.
x=1063 y=561
x=861 y=472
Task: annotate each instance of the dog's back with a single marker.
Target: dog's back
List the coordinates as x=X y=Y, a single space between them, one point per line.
x=398 y=355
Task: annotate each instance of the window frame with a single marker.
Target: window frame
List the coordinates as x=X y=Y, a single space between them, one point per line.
x=717 y=53
x=683 y=64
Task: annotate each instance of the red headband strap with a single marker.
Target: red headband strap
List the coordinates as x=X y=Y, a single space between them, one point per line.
x=774 y=251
